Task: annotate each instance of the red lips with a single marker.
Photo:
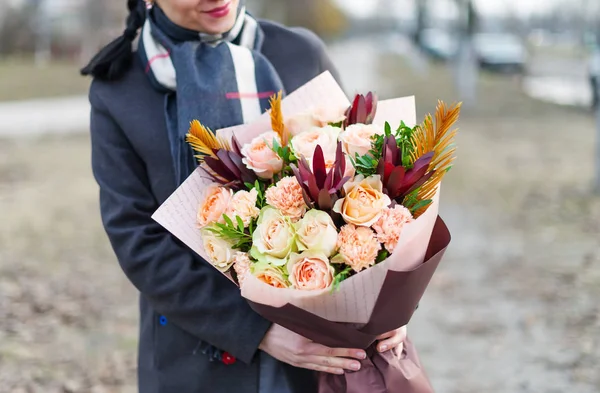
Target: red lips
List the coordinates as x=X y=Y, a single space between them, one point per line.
x=219 y=12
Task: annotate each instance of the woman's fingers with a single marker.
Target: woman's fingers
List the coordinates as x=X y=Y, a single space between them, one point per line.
x=321 y=350
x=331 y=363
x=393 y=339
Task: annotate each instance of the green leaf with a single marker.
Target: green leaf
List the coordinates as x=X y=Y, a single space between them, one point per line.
x=228 y=221
x=388 y=129
x=421 y=204
x=341 y=276
x=240 y=223
x=382 y=256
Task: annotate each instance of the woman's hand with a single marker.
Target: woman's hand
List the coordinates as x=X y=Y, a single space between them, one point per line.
x=291 y=348
x=393 y=339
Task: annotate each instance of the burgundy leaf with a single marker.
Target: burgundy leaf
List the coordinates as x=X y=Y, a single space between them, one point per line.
x=342 y=182
x=319 y=168
x=381 y=168
x=418 y=184
x=387 y=172
x=219 y=168
x=423 y=161
x=396 y=181
x=411 y=178
x=325 y=200
x=307 y=200
x=371 y=107
x=236 y=146
x=329 y=180
x=392 y=151
x=248 y=175
x=340 y=164
x=361 y=110
x=224 y=158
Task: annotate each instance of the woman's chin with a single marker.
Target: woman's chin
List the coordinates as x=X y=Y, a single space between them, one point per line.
x=215 y=26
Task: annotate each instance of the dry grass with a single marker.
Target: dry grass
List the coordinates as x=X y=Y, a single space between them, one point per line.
x=20 y=79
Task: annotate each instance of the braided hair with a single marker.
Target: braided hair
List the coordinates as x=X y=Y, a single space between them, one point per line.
x=113 y=61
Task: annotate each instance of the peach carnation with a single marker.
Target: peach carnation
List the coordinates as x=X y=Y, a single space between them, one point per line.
x=243 y=205
x=390 y=224
x=358 y=247
x=213 y=205
x=241 y=265
x=286 y=196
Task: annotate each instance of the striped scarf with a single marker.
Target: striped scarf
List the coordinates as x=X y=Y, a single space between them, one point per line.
x=220 y=80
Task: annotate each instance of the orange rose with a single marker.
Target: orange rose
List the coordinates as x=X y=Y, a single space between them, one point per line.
x=364 y=202
x=213 y=205
x=310 y=271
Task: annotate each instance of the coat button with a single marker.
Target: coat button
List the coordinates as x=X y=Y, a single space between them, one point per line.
x=163 y=320
x=228 y=359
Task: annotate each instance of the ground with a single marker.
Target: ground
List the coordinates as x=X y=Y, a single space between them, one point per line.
x=513 y=308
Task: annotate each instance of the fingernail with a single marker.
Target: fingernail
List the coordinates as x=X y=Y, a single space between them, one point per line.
x=361 y=355
x=355 y=366
x=383 y=348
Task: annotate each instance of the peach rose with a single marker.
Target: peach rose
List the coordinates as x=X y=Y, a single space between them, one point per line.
x=364 y=201
x=358 y=247
x=213 y=205
x=317 y=232
x=219 y=251
x=358 y=138
x=260 y=157
x=310 y=271
x=286 y=196
x=305 y=143
x=317 y=117
x=390 y=224
x=274 y=238
x=270 y=275
x=241 y=265
x=243 y=205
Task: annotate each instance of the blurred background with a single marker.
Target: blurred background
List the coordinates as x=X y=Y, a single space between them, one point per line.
x=515 y=305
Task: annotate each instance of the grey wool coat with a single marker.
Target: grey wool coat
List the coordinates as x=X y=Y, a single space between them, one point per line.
x=183 y=300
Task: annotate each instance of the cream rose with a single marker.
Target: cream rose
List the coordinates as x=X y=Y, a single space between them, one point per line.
x=305 y=143
x=243 y=205
x=317 y=232
x=270 y=275
x=213 y=205
x=358 y=138
x=364 y=201
x=274 y=238
x=260 y=157
x=310 y=271
x=219 y=251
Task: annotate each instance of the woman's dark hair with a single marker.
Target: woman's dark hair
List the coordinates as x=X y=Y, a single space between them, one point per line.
x=114 y=59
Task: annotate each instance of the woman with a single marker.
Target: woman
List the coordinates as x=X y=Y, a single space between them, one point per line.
x=208 y=60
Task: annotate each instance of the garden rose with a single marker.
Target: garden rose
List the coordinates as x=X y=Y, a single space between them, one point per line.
x=364 y=201
x=213 y=205
x=358 y=138
x=305 y=143
x=260 y=157
x=241 y=265
x=390 y=224
x=317 y=117
x=286 y=196
x=310 y=271
x=219 y=251
x=317 y=232
x=243 y=205
x=274 y=238
x=270 y=275
x=358 y=247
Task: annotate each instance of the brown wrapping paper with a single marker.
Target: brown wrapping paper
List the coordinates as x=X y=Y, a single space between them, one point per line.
x=397 y=301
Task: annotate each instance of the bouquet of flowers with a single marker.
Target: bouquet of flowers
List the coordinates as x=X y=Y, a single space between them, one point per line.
x=326 y=218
